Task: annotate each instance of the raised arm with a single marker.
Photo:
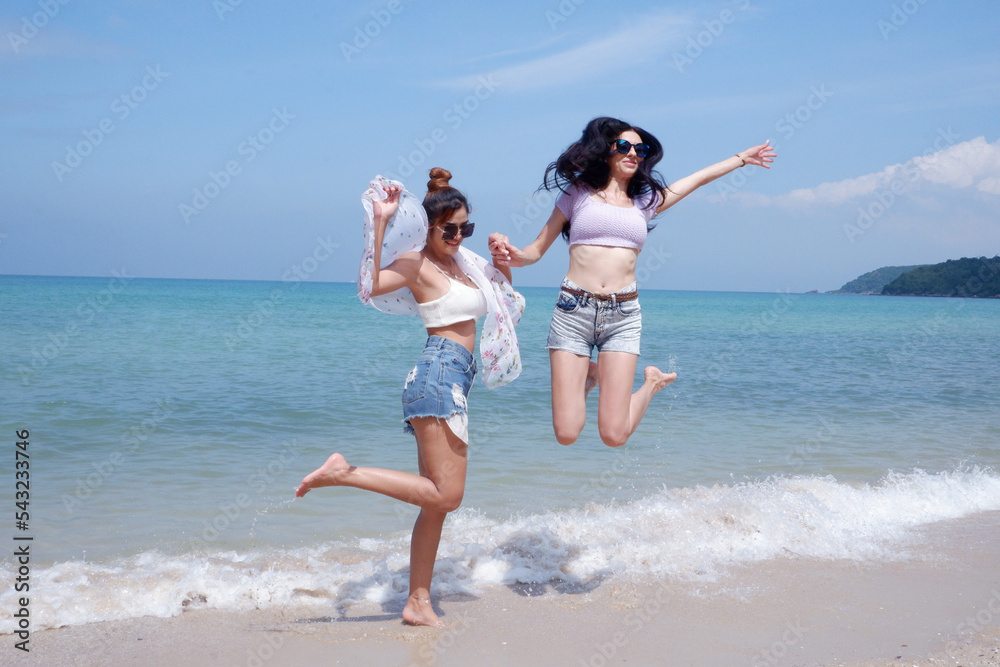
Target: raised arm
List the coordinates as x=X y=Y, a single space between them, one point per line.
x=403 y=272
x=761 y=156
x=505 y=254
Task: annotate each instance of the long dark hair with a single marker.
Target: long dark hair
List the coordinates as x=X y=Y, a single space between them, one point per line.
x=585 y=162
x=442 y=200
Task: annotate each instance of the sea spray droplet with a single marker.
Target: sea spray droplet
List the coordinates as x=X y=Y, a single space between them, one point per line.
x=261 y=511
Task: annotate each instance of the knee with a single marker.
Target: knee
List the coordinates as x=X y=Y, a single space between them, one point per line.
x=614 y=438
x=449 y=503
x=564 y=437
x=566 y=433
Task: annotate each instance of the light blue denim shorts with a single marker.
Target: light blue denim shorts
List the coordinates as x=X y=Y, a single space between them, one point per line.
x=582 y=322
x=438 y=386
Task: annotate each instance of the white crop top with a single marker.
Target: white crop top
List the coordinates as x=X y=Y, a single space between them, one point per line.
x=459 y=303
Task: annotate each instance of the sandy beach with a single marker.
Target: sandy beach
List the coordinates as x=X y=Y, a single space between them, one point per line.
x=939 y=607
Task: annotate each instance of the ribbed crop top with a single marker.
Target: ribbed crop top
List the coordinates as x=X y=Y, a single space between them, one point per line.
x=595 y=222
x=459 y=303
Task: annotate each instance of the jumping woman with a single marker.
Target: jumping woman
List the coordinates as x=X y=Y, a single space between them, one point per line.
x=609 y=195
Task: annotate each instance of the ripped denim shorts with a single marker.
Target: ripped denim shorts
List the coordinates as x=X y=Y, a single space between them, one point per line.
x=582 y=321
x=438 y=386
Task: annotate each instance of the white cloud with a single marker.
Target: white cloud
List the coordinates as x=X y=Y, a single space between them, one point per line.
x=990 y=185
x=959 y=166
x=643 y=40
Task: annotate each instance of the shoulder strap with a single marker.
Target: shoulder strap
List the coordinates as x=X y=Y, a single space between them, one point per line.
x=439 y=269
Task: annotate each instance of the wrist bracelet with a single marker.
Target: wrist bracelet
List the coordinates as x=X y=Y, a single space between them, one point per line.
x=742 y=159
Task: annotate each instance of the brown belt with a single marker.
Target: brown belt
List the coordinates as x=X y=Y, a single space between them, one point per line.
x=626 y=296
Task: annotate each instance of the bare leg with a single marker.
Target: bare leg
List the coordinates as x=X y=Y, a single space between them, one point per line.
x=423 y=553
x=592 y=378
x=444 y=459
x=569 y=408
x=619 y=410
x=437 y=490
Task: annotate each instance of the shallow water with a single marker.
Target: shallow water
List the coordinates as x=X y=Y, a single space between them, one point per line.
x=170 y=422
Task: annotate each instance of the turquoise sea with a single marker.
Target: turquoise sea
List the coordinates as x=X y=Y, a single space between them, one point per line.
x=171 y=420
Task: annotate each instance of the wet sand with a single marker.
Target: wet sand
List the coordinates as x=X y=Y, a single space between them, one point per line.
x=940 y=607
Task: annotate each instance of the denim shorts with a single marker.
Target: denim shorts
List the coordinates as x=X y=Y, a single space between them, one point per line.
x=582 y=322
x=438 y=386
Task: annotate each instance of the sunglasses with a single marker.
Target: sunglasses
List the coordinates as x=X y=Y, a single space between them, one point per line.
x=623 y=147
x=449 y=231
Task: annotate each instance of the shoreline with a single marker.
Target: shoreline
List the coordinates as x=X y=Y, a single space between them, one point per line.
x=942 y=606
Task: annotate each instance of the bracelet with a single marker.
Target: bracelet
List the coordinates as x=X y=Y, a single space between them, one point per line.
x=742 y=159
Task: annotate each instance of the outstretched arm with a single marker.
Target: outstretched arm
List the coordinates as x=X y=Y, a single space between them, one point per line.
x=761 y=156
x=505 y=254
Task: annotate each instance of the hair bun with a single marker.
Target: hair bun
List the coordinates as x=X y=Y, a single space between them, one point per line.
x=439 y=179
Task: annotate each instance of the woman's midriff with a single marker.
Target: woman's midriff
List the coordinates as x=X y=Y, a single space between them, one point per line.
x=463 y=333
x=602 y=269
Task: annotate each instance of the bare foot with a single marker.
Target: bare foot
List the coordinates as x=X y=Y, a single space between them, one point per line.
x=418 y=611
x=591 y=378
x=328 y=474
x=658 y=378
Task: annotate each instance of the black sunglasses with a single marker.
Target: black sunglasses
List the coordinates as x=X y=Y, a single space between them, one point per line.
x=449 y=231
x=623 y=147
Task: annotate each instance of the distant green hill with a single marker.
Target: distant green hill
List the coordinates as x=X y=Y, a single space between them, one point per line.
x=873 y=281
x=966 y=277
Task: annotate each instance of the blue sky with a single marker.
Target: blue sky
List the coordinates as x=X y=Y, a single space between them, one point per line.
x=232 y=139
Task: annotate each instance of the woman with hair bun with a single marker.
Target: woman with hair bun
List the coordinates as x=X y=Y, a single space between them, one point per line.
x=610 y=193
x=450 y=287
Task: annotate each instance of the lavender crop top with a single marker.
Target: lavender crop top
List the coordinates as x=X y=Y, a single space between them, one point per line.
x=598 y=223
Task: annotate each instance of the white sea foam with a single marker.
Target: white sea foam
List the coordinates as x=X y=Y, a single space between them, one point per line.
x=690 y=534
